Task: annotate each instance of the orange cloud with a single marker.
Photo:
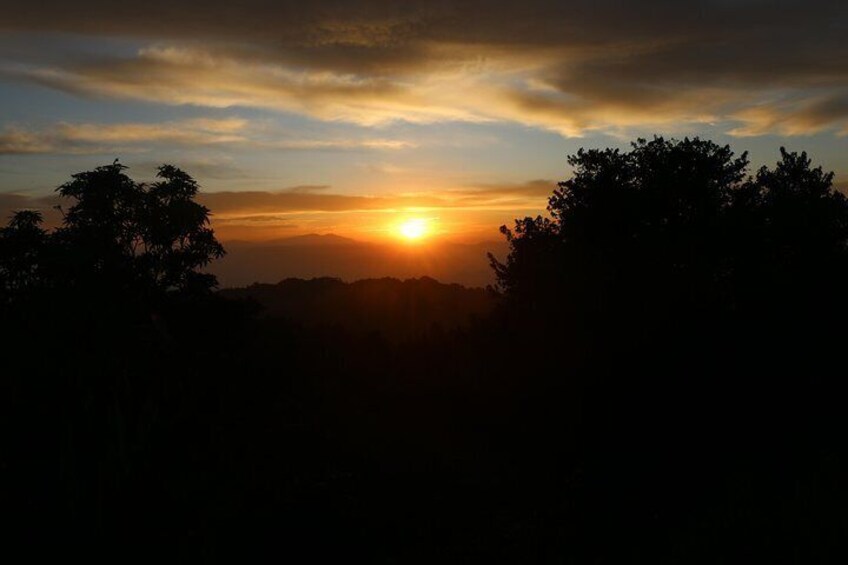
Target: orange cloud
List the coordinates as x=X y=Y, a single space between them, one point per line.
x=806 y=117
x=468 y=213
x=87 y=138
x=97 y=138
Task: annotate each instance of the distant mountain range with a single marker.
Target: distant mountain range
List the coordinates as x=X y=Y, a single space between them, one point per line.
x=330 y=255
x=314 y=239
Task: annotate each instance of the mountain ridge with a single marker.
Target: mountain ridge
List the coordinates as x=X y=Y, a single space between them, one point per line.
x=348 y=259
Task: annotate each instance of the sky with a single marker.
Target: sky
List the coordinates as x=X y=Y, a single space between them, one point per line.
x=354 y=117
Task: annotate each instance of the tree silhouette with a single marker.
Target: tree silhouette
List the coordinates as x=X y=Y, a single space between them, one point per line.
x=674 y=227
x=21 y=248
x=152 y=238
x=697 y=313
x=175 y=234
x=119 y=241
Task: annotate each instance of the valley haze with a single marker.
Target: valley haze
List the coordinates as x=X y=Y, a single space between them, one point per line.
x=330 y=255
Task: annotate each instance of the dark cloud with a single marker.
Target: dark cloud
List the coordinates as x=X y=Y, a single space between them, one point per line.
x=385 y=22
x=384 y=32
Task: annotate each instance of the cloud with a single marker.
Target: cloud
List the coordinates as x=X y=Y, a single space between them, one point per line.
x=182 y=75
x=804 y=117
x=17 y=141
x=186 y=132
x=471 y=212
x=228 y=204
x=258 y=206
x=218 y=168
x=309 y=188
x=99 y=138
x=474 y=211
x=88 y=138
x=571 y=67
x=276 y=220
x=531 y=194
x=312 y=199
x=338 y=144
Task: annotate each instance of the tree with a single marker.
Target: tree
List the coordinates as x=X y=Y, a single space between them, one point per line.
x=153 y=237
x=672 y=226
x=101 y=232
x=671 y=260
x=21 y=250
x=696 y=311
x=175 y=234
x=120 y=241
x=631 y=235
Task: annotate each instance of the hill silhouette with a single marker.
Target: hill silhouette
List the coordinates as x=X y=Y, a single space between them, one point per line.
x=396 y=309
x=314 y=239
x=329 y=255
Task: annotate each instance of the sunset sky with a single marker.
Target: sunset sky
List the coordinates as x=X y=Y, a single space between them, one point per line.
x=354 y=117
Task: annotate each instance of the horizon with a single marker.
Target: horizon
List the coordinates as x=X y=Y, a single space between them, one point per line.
x=331 y=255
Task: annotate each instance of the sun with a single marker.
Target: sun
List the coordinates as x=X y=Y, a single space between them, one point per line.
x=414 y=229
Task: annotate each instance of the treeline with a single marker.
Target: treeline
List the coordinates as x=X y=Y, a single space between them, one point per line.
x=658 y=379
x=391 y=307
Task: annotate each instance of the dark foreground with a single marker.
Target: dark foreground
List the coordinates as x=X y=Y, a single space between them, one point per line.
x=660 y=379
x=263 y=438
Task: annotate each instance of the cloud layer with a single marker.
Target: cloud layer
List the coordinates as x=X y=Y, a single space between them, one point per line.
x=760 y=66
x=303 y=209
x=131 y=137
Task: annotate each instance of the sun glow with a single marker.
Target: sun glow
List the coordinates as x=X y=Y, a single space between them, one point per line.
x=414 y=229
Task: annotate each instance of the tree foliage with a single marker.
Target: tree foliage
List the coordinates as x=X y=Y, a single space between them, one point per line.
x=21 y=248
x=119 y=238
x=672 y=226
